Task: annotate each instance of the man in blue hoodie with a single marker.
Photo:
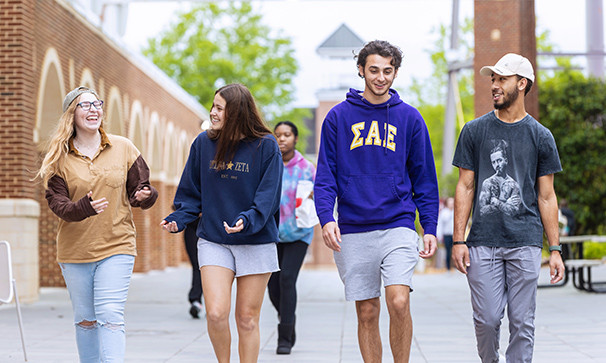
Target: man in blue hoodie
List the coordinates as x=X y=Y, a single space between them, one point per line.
x=377 y=164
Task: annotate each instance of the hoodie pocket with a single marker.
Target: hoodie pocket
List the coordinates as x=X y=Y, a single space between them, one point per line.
x=369 y=199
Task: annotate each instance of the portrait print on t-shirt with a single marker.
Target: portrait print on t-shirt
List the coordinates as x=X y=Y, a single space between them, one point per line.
x=500 y=193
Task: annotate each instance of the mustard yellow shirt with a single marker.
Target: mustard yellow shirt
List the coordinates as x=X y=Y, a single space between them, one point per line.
x=116 y=172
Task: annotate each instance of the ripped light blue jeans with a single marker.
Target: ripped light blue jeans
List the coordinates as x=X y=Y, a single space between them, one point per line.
x=98 y=293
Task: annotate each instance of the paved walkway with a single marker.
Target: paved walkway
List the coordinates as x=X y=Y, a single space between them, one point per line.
x=571 y=325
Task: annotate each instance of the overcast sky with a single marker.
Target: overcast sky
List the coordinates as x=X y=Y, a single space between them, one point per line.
x=406 y=23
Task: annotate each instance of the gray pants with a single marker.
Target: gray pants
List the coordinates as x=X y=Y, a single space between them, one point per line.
x=504 y=276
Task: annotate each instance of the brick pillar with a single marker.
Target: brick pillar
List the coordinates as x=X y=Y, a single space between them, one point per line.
x=176 y=245
x=50 y=272
x=19 y=210
x=143 y=260
x=501 y=27
x=175 y=248
x=184 y=258
x=158 y=236
x=173 y=241
x=324 y=105
x=320 y=254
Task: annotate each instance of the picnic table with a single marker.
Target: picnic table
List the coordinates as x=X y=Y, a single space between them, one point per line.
x=580 y=267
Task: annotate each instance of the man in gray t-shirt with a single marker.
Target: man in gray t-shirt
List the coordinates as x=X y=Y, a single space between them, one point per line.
x=506 y=162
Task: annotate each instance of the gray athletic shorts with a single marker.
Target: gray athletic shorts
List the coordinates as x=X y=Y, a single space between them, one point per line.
x=366 y=257
x=241 y=259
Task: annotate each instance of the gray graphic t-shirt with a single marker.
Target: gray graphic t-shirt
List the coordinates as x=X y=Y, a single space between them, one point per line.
x=507 y=160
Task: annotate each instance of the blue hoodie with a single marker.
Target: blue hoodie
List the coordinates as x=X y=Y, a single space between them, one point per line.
x=377 y=162
x=248 y=188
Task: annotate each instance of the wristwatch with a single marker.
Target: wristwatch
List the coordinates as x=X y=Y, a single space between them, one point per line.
x=555 y=248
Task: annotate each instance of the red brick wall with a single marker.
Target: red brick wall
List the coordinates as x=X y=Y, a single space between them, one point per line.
x=50 y=273
x=321 y=255
x=501 y=27
x=156 y=234
x=28 y=28
x=175 y=246
x=17 y=52
x=321 y=112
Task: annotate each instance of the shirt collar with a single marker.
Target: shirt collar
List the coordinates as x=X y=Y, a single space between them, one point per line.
x=104 y=142
x=104 y=139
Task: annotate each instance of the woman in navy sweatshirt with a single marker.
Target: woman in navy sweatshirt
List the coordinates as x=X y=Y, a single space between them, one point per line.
x=233 y=177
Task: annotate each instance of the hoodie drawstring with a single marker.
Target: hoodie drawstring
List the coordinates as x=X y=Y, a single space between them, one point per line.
x=493 y=252
x=386 y=132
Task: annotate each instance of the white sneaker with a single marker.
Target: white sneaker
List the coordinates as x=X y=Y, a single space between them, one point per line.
x=196 y=310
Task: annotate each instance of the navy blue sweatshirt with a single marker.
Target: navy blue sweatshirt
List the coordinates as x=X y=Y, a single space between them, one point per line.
x=377 y=161
x=247 y=188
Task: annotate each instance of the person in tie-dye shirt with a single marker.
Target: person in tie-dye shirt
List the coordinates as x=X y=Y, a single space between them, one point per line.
x=293 y=240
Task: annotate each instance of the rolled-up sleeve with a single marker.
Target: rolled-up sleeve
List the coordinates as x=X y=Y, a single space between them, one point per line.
x=138 y=178
x=57 y=196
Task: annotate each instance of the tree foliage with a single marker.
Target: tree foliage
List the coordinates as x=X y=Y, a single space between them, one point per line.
x=215 y=44
x=572 y=107
x=298 y=116
x=429 y=95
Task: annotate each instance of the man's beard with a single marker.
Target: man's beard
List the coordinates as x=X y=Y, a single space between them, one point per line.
x=508 y=99
x=377 y=94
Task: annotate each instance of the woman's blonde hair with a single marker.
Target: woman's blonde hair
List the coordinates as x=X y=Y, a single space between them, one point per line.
x=58 y=145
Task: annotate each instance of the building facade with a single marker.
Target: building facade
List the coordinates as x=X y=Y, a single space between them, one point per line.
x=501 y=27
x=48 y=48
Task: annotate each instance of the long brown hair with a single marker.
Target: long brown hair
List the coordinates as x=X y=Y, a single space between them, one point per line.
x=242 y=121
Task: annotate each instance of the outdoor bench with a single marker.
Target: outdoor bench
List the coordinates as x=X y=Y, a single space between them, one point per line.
x=581 y=274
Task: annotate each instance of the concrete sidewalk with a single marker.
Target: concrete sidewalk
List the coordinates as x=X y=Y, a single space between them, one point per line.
x=571 y=325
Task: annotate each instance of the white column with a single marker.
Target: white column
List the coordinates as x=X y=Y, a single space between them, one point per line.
x=19 y=226
x=595 y=37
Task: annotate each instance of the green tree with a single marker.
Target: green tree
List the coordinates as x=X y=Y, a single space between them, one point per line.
x=429 y=95
x=297 y=116
x=215 y=44
x=572 y=107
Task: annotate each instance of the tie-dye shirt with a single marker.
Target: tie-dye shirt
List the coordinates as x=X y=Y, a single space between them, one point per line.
x=298 y=168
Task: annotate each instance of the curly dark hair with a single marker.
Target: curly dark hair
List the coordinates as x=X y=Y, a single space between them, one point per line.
x=382 y=48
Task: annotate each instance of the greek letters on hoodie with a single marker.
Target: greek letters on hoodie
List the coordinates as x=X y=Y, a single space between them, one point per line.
x=246 y=187
x=376 y=161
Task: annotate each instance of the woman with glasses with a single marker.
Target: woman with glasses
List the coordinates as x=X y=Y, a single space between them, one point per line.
x=232 y=177
x=92 y=180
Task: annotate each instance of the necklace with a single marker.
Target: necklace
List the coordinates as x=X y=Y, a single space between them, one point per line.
x=87 y=150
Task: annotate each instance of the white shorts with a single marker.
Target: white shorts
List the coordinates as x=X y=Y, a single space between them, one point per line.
x=366 y=257
x=241 y=259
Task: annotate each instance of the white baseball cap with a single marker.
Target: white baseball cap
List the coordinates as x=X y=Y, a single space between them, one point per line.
x=510 y=64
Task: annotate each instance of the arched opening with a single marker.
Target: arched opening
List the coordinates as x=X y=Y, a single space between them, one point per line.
x=184 y=147
x=50 y=98
x=155 y=143
x=136 y=131
x=114 y=120
x=87 y=79
x=170 y=154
